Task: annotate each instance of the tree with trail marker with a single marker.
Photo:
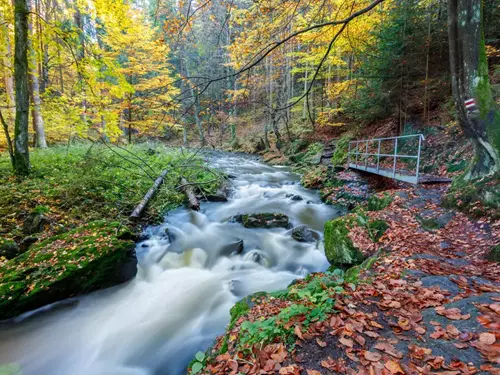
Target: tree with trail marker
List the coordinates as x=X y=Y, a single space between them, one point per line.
x=477 y=111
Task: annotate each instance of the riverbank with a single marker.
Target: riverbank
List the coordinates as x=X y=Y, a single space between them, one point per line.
x=424 y=300
x=65 y=229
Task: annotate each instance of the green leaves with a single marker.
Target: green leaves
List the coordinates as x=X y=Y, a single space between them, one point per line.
x=198 y=365
x=196 y=368
x=200 y=356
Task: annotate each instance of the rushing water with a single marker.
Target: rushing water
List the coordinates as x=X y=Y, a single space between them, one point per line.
x=181 y=297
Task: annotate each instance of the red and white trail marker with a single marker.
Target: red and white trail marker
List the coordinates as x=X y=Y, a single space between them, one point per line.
x=470 y=104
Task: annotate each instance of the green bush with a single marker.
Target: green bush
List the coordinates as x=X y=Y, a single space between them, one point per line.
x=376 y=203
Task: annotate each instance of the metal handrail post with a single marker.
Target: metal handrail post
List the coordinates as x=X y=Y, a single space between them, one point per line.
x=366 y=156
x=418 y=157
x=378 y=157
x=357 y=152
x=395 y=157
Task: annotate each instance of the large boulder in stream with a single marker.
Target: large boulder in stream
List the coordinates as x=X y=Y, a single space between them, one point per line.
x=264 y=220
x=95 y=256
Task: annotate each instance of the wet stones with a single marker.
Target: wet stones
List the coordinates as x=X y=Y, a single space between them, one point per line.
x=304 y=234
x=263 y=220
x=234 y=248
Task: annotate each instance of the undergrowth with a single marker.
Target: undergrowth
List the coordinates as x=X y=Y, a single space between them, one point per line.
x=75 y=185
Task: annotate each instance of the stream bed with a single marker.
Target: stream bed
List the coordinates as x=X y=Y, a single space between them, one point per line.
x=192 y=269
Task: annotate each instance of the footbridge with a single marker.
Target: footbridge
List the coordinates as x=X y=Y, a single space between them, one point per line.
x=393 y=157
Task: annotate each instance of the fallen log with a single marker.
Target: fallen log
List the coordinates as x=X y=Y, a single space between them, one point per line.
x=139 y=209
x=188 y=189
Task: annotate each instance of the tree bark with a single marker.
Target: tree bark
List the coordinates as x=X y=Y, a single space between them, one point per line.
x=8 y=79
x=21 y=160
x=469 y=79
x=36 y=112
x=139 y=209
x=189 y=191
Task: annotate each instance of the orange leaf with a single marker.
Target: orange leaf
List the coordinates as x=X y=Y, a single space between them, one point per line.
x=394 y=367
x=487 y=338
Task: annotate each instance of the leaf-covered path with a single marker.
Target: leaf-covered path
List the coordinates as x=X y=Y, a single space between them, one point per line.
x=430 y=304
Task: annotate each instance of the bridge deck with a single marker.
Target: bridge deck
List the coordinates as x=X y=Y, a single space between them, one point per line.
x=362 y=154
x=401 y=175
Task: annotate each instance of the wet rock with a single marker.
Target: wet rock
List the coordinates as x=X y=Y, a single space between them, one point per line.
x=446 y=348
x=35 y=223
x=232 y=248
x=265 y=220
x=26 y=243
x=220 y=195
x=8 y=248
x=170 y=236
x=237 y=288
x=296 y=198
x=304 y=234
x=443 y=282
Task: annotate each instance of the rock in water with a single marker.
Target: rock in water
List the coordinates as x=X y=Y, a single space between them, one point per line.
x=265 y=220
x=304 y=234
x=232 y=248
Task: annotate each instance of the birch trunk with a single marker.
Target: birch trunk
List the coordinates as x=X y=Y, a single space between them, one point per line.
x=36 y=112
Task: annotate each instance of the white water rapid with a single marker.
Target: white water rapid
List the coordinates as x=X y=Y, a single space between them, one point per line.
x=181 y=297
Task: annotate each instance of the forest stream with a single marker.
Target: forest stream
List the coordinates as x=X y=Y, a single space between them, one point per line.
x=192 y=270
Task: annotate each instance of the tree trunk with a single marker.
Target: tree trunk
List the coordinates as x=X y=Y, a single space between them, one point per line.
x=469 y=79
x=36 y=112
x=21 y=160
x=8 y=79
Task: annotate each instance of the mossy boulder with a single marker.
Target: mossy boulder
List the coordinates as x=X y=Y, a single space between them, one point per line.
x=265 y=220
x=95 y=256
x=8 y=248
x=339 y=249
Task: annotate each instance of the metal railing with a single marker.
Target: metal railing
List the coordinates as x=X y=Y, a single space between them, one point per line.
x=355 y=155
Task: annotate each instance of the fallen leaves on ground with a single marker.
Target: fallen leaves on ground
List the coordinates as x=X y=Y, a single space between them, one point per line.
x=393 y=320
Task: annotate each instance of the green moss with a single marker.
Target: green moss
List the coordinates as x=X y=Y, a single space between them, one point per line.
x=494 y=255
x=428 y=224
x=378 y=203
x=239 y=309
x=339 y=157
x=265 y=220
x=76 y=262
x=477 y=198
x=339 y=249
